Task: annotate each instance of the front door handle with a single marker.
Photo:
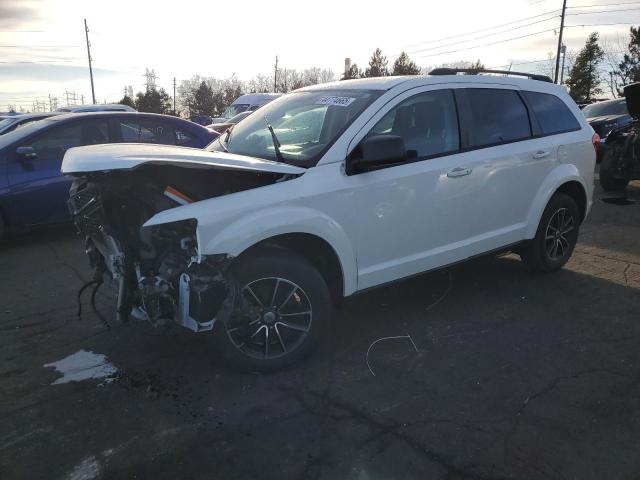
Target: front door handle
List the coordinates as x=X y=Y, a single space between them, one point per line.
x=458 y=172
x=541 y=154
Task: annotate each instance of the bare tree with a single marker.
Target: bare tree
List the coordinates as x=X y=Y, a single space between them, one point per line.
x=614 y=50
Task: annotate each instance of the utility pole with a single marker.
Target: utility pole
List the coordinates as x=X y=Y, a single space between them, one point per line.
x=174 y=96
x=81 y=99
x=50 y=104
x=564 y=56
x=564 y=8
x=86 y=33
x=275 y=77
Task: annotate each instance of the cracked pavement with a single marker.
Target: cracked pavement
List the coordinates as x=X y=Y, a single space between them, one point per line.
x=517 y=375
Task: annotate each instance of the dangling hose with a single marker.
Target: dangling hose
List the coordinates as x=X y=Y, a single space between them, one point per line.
x=93 y=304
x=79 y=297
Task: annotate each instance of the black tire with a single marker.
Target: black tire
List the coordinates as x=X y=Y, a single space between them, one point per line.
x=608 y=179
x=271 y=337
x=556 y=236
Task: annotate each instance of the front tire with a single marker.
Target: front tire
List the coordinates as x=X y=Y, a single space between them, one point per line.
x=282 y=307
x=556 y=236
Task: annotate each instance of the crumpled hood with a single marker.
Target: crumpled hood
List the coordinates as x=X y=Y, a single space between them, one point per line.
x=127 y=156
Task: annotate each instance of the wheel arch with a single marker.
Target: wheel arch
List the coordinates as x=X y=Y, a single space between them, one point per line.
x=564 y=179
x=287 y=227
x=575 y=190
x=314 y=249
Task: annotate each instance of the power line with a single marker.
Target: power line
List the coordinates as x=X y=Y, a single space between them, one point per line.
x=604 y=11
x=519 y=37
x=490 y=43
x=604 y=5
x=600 y=24
x=483 y=29
x=483 y=36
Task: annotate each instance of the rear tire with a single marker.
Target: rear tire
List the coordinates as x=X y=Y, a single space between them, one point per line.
x=608 y=179
x=556 y=236
x=282 y=307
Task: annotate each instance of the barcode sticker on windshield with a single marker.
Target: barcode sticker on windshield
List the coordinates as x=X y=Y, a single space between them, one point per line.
x=337 y=101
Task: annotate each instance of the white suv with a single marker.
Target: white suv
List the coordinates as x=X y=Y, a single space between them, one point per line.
x=331 y=190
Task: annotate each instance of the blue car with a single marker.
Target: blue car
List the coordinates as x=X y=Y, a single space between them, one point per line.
x=9 y=124
x=33 y=192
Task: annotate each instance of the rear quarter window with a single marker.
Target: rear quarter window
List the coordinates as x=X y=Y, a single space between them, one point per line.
x=492 y=116
x=552 y=114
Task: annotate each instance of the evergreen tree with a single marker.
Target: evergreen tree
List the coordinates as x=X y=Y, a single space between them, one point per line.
x=203 y=102
x=377 y=65
x=405 y=66
x=353 y=72
x=153 y=101
x=584 y=78
x=127 y=100
x=629 y=68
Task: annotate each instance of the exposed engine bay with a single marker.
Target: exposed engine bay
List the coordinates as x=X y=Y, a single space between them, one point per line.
x=157 y=270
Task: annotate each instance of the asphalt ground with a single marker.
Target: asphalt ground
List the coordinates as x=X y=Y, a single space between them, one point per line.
x=516 y=375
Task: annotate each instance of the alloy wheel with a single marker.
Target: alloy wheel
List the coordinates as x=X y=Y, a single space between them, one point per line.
x=556 y=240
x=273 y=318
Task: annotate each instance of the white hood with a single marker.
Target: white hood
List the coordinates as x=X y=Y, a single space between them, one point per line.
x=127 y=156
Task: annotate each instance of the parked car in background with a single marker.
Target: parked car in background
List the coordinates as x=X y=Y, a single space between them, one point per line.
x=104 y=107
x=9 y=124
x=33 y=191
x=203 y=120
x=249 y=102
x=331 y=190
x=224 y=126
x=605 y=116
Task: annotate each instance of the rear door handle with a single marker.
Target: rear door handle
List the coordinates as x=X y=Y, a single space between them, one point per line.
x=541 y=154
x=458 y=172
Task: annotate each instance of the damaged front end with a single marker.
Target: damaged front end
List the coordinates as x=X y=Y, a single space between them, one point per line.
x=158 y=271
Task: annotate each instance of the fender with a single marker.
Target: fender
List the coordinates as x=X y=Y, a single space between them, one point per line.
x=263 y=224
x=557 y=177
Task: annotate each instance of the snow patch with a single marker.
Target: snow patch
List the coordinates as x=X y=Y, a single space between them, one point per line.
x=88 y=469
x=82 y=365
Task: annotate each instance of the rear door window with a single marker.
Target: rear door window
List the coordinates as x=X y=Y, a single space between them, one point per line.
x=492 y=116
x=552 y=114
x=146 y=131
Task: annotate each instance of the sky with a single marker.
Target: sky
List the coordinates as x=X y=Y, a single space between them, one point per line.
x=43 y=51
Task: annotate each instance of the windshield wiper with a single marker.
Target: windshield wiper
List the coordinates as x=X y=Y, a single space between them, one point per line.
x=276 y=143
x=224 y=143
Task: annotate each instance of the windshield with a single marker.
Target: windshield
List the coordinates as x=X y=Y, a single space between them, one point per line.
x=22 y=132
x=6 y=122
x=304 y=123
x=238 y=117
x=618 y=107
x=233 y=110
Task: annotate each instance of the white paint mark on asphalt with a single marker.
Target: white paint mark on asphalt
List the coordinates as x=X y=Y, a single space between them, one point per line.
x=88 y=469
x=82 y=365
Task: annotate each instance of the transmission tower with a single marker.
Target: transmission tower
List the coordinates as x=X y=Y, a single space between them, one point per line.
x=150 y=82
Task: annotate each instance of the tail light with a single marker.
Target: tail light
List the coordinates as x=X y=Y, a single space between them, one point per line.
x=595 y=140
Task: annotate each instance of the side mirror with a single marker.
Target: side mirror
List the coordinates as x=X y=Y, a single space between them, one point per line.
x=377 y=151
x=26 y=153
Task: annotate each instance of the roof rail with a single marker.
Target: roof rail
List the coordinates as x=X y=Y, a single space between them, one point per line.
x=476 y=71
